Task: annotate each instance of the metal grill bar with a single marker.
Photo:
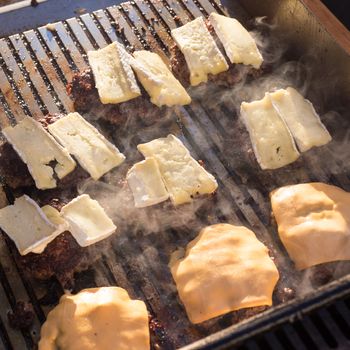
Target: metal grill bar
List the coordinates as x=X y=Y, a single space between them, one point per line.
x=34 y=69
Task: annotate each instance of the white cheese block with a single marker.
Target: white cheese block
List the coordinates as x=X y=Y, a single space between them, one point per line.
x=28 y=226
x=202 y=55
x=239 y=45
x=37 y=148
x=88 y=222
x=93 y=152
x=114 y=78
x=183 y=176
x=272 y=142
x=146 y=184
x=158 y=81
x=301 y=118
x=54 y=216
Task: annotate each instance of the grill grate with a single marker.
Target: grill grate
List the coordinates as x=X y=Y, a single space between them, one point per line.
x=34 y=68
x=328 y=328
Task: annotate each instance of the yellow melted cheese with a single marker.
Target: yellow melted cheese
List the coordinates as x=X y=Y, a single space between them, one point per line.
x=97 y=319
x=313 y=222
x=225 y=268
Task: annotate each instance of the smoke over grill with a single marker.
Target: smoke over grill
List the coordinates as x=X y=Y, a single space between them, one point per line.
x=35 y=68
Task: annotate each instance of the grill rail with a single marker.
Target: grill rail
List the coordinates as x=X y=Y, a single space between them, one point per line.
x=34 y=69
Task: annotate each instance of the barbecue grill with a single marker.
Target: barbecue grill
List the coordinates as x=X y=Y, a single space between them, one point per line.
x=36 y=66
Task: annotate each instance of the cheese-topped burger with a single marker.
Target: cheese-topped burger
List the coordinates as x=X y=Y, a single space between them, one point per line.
x=97 y=319
x=225 y=268
x=313 y=222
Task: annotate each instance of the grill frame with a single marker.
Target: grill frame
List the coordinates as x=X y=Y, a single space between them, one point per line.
x=23 y=100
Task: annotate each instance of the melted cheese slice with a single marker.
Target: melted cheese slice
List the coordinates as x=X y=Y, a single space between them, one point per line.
x=29 y=226
x=146 y=183
x=93 y=152
x=225 y=268
x=313 y=222
x=97 y=319
x=37 y=148
x=158 y=81
x=301 y=118
x=88 y=222
x=114 y=78
x=272 y=142
x=239 y=45
x=200 y=50
x=184 y=178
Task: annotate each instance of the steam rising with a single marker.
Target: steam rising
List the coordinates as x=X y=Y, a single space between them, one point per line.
x=243 y=185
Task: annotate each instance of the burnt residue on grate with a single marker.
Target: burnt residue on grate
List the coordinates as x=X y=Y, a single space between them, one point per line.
x=34 y=69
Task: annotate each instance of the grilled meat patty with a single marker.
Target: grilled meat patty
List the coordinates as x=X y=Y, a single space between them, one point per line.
x=83 y=91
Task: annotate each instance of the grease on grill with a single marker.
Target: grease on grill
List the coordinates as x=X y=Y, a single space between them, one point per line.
x=22 y=316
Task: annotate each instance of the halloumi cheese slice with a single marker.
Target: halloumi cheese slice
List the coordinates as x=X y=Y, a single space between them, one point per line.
x=97 y=319
x=183 y=176
x=225 y=268
x=301 y=119
x=146 y=183
x=272 y=142
x=239 y=45
x=202 y=55
x=313 y=222
x=88 y=222
x=92 y=150
x=38 y=149
x=114 y=78
x=29 y=226
x=158 y=81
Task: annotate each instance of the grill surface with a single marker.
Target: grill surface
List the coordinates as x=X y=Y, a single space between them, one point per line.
x=35 y=67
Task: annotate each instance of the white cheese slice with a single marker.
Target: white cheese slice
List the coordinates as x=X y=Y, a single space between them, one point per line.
x=202 y=55
x=93 y=152
x=272 y=142
x=158 y=81
x=88 y=222
x=114 y=78
x=239 y=45
x=301 y=118
x=37 y=148
x=146 y=184
x=183 y=176
x=28 y=226
x=53 y=215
